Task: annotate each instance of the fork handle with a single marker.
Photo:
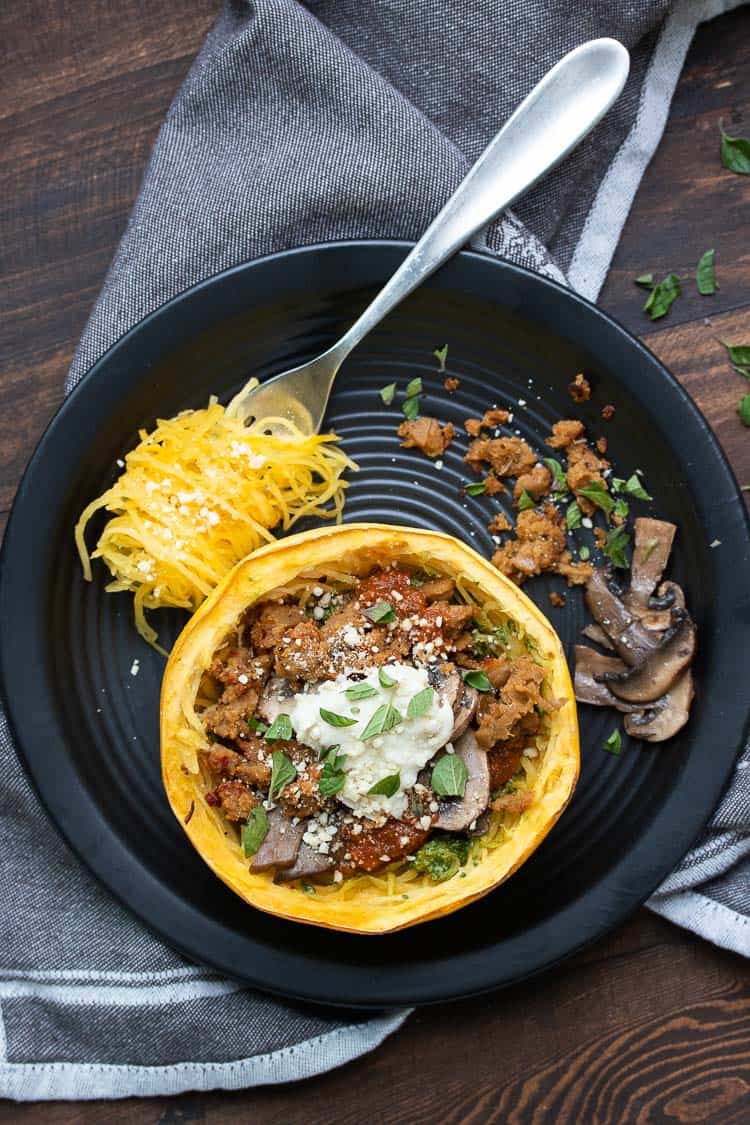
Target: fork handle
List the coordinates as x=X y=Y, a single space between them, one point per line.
x=556 y=115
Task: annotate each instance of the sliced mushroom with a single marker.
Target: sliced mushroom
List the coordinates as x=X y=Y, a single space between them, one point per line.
x=458 y=813
x=629 y=639
x=588 y=689
x=668 y=714
x=660 y=668
x=309 y=864
x=275 y=697
x=281 y=845
x=464 y=710
x=596 y=634
x=653 y=545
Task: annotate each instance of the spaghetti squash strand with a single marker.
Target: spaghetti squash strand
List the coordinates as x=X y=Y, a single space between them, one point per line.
x=198 y=494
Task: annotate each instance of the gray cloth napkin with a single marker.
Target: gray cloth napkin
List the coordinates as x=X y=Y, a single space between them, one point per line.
x=298 y=125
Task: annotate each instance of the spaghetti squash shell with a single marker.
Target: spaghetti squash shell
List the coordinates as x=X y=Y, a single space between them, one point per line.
x=357 y=548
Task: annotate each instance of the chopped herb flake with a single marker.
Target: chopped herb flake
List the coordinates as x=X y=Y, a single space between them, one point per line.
x=360 y=691
x=381 y=613
x=662 y=296
x=388 y=394
x=597 y=493
x=573 y=516
x=332 y=777
x=560 y=481
x=744 y=410
x=308 y=888
x=739 y=357
x=476 y=488
x=621 y=508
x=256 y=725
x=385 y=680
x=411 y=408
x=633 y=487
x=705 y=278
x=283 y=771
x=386 y=787
x=646 y=279
x=414 y=387
x=525 y=501
x=616 y=547
x=280 y=729
x=441 y=857
x=735 y=153
x=420 y=703
x=613 y=744
x=254 y=831
x=441 y=355
x=476 y=679
x=335 y=720
x=385 y=718
x=584 y=554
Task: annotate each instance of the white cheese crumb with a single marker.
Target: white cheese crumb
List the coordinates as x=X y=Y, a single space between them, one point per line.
x=587 y=522
x=425 y=822
x=135 y=668
x=716 y=543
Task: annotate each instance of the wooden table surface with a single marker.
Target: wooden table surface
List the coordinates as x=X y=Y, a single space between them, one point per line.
x=649 y=1025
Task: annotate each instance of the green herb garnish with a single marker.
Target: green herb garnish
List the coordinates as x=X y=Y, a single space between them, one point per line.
x=573 y=516
x=385 y=718
x=646 y=279
x=476 y=679
x=705 y=277
x=280 y=729
x=254 y=831
x=633 y=487
x=584 y=554
x=662 y=296
x=616 y=547
x=449 y=776
x=739 y=357
x=283 y=770
x=388 y=394
x=744 y=410
x=385 y=680
x=420 y=703
x=410 y=408
x=735 y=153
x=360 y=691
x=487 y=644
x=386 y=787
x=476 y=488
x=335 y=720
x=414 y=387
x=525 y=501
x=613 y=744
x=597 y=493
x=558 y=473
x=332 y=775
x=256 y=725
x=621 y=508
x=441 y=355
x=441 y=857
x=308 y=888
x=381 y=613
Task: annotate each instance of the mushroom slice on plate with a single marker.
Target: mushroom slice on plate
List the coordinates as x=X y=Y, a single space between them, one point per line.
x=309 y=864
x=668 y=714
x=653 y=545
x=457 y=814
x=281 y=845
x=629 y=639
x=589 y=689
x=655 y=674
x=464 y=710
x=595 y=633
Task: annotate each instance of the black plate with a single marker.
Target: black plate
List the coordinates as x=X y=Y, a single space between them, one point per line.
x=87 y=729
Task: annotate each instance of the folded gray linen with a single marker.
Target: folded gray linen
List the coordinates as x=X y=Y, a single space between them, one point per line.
x=301 y=124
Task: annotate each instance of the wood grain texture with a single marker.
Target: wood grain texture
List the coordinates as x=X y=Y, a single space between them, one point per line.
x=650 y=1024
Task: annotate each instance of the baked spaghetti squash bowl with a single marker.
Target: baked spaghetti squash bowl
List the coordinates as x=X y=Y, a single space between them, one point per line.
x=366 y=727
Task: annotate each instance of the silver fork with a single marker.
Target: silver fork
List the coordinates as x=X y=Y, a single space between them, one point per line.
x=552 y=120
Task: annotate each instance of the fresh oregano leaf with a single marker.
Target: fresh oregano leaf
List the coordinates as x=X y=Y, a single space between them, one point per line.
x=254 y=831
x=335 y=720
x=597 y=493
x=705 y=277
x=381 y=613
x=476 y=679
x=449 y=776
x=414 y=387
x=662 y=296
x=616 y=547
x=646 y=279
x=360 y=691
x=573 y=516
x=411 y=408
x=735 y=154
x=280 y=729
x=525 y=501
x=388 y=394
x=283 y=771
x=613 y=744
x=420 y=703
x=385 y=718
x=386 y=787
x=744 y=410
x=476 y=488
x=385 y=680
x=560 y=481
x=441 y=355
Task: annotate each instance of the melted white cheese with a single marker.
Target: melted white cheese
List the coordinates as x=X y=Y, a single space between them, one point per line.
x=403 y=750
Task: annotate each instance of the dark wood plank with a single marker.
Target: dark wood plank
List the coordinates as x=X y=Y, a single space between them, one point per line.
x=651 y=1024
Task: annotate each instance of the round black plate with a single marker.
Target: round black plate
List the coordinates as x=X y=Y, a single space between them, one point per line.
x=87 y=728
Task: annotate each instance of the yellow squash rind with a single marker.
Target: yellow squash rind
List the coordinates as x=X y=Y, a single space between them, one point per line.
x=370 y=910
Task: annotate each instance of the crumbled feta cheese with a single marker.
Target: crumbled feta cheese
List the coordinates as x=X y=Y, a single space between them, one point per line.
x=587 y=522
x=135 y=668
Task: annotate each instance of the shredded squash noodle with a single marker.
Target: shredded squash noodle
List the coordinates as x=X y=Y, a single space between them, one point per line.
x=198 y=494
